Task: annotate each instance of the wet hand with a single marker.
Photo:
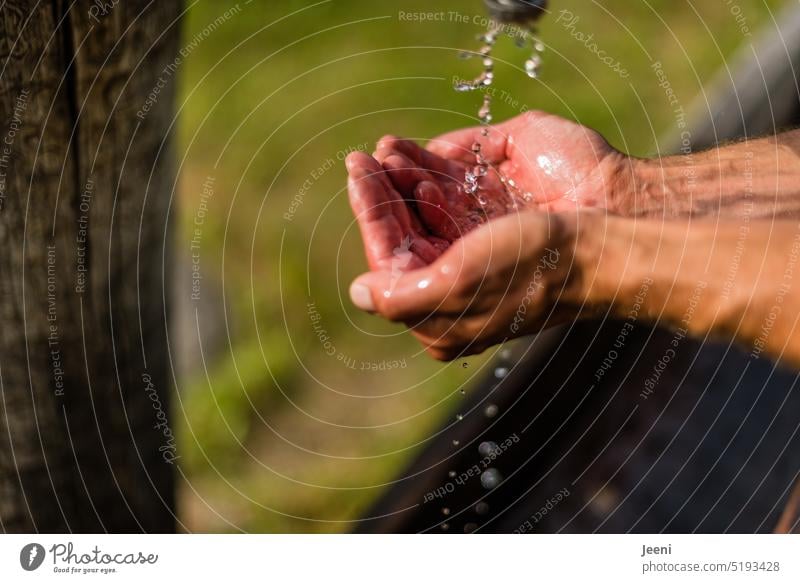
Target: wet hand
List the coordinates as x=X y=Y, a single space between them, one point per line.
x=507 y=278
x=551 y=164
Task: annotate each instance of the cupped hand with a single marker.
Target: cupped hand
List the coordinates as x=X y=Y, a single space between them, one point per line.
x=551 y=164
x=508 y=278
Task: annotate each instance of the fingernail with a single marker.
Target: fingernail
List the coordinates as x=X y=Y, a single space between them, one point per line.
x=361 y=297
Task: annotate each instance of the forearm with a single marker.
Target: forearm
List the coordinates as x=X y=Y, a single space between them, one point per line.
x=733 y=279
x=755 y=179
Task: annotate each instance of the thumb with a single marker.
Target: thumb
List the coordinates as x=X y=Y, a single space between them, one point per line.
x=402 y=296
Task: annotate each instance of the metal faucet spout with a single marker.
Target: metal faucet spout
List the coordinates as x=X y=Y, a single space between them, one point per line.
x=517 y=11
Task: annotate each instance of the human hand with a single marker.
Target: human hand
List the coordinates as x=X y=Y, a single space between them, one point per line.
x=508 y=278
x=551 y=164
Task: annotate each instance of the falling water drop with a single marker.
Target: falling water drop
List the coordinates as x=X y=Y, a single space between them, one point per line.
x=456 y=442
x=459 y=417
x=446 y=511
x=485 y=112
x=452 y=474
x=491 y=478
x=500 y=372
x=481 y=509
x=470 y=527
x=491 y=410
x=445 y=526
x=487 y=448
x=465 y=364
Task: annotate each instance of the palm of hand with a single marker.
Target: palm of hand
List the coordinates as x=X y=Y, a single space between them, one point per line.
x=536 y=161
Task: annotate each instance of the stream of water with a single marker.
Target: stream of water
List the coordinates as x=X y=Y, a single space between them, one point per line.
x=524 y=38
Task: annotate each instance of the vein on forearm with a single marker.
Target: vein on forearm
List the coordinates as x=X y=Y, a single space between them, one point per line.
x=753 y=178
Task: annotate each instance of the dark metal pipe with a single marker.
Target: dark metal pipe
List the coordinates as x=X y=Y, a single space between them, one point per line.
x=518 y=11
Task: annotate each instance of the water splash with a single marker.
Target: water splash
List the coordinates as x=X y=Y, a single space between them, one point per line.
x=472 y=177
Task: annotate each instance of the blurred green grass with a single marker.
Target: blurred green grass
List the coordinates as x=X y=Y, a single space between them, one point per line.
x=279 y=436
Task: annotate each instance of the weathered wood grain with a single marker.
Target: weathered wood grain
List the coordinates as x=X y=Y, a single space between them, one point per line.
x=82 y=447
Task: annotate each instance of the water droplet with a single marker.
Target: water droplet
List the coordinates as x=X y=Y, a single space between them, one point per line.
x=462 y=391
x=476 y=147
x=480 y=171
x=459 y=417
x=506 y=354
x=463 y=86
x=446 y=511
x=465 y=364
x=466 y=55
x=482 y=200
x=488 y=62
x=532 y=69
x=491 y=410
x=500 y=372
x=445 y=526
x=423 y=283
x=482 y=509
x=456 y=442
x=484 y=132
x=491 y=478
x=539 y=46
x=470 y=527
x=452 y=474
x=487 y=448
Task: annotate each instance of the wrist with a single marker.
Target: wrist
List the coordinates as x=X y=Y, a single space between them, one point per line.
x=658 y=187
x=648 y=270
x=605 y=261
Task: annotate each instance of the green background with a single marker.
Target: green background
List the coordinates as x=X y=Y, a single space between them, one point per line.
x=276 y=434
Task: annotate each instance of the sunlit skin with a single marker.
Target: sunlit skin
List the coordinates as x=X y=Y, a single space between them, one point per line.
x=561 y=164
x=585 y=242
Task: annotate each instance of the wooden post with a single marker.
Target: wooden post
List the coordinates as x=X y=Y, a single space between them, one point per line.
x=86 y=177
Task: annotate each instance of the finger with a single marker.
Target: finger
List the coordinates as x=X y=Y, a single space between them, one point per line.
x=389 y=145
x=432 y=207
x=382 y=217
x=457 y=145
x=404 y=174
x=409 y=296
x=408 y=217
x=367 y=162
